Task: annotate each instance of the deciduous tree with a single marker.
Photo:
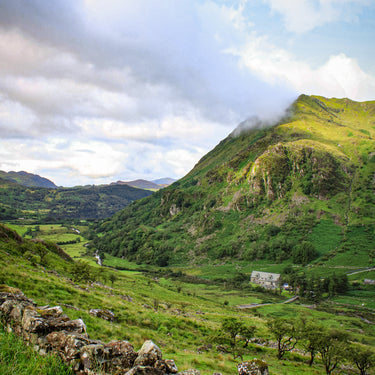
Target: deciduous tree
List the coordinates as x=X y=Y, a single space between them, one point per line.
x=234 y=336
x=363 y=358
x=285 y=334
x=332 y=348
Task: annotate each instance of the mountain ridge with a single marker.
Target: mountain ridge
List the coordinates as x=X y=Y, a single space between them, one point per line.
x=312 y=168
x=28 y=179
x=145 y=184
x=64 y=204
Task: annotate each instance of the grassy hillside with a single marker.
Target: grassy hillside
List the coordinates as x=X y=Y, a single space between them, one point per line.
x=61 y=204
x=27 y=179
x=261 y=193
x=180 y=313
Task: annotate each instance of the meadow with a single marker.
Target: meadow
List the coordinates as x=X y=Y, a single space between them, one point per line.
x=180 y=309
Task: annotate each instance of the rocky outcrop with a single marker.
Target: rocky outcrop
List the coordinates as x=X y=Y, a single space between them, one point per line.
x=313 y=166
x=47 y=329
x=254 y=367
x=103 y=314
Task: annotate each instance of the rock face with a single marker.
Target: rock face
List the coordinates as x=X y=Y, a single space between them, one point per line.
x=319 y=172
x=47 y=329
x=254 y=367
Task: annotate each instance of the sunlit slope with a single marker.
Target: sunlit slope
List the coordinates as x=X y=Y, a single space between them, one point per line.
x=316 y=165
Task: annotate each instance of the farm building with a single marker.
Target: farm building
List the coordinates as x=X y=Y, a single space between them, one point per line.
x=265 y=279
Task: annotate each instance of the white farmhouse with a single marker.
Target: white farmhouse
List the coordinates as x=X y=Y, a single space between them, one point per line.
x=265 y=279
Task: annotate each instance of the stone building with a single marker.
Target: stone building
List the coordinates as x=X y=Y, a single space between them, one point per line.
x=265 y=279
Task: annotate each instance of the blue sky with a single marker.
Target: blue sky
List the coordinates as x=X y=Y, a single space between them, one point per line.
x=95 y=91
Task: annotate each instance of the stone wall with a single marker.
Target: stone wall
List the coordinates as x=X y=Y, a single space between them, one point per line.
x=48 y=330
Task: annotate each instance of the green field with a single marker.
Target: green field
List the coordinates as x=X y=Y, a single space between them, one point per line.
x=181 y=309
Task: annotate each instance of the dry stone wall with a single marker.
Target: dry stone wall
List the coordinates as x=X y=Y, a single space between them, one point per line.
x=48 y=330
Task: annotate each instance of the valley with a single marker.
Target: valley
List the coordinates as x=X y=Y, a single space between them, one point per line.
x=295 y=199
x=180 y=308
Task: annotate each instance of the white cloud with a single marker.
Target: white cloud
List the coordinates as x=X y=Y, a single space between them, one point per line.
x=101 y=90
x=339 y=76
x=304 y=15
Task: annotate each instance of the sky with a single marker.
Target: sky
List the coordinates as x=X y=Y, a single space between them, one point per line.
x=96 y=91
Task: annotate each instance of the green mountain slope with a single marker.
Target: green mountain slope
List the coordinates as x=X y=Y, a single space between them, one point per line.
x=261 y=193
x=61 y=204
x=27 y=179
x=182 y=314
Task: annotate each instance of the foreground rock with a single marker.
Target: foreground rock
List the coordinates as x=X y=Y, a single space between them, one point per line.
x=254 y=367
x=47 y=329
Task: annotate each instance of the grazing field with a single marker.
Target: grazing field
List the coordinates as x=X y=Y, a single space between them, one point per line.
x=182 y=310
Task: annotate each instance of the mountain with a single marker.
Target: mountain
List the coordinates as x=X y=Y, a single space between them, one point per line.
x=305 y=185
x=166 y=181
x=28 y=179
x=148 y=185
x=60 y=204
x=141 y=184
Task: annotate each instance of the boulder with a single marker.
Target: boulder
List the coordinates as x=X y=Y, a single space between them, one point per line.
x=171 y=366
x=166 y=365
x=68 y=345
x=144 y=370
x=148 y=354
x=254 y=367
x=64 y=324
x=122 y=354
x=190 y=371
x=103 y=314
x=47 y=312
x=32 y=322
x=93 y=357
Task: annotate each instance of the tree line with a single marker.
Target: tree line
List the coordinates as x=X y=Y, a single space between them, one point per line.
x=333 y=347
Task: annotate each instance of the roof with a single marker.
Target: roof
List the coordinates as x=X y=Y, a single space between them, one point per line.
x=265 y=275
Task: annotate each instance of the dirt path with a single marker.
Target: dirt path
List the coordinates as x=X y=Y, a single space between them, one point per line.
x=362 y=270
x=253 y=305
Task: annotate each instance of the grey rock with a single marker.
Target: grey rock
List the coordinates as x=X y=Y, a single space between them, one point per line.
x=190 y=371
x=254 y=367
x=144 y=370
x=148 y=354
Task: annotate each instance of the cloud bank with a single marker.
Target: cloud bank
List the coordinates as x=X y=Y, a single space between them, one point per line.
x=93 y=91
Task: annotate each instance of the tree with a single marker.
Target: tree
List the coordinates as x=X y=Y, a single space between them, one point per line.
x=234 y=336
x=363 y=358
x=304 y=253
x=337 y=284
x=42 y=252
x=113 y=278
x=81 y=271
x=332 y=347
x=311 y=333
x=285 y=334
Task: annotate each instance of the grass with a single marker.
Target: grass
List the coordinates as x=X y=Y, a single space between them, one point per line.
x=16 y=358
x=178 y=315
x=326 y=236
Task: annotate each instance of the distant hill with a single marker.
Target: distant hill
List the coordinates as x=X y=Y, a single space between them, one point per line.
x=149 y=185
x=28 y=179
x=262 y=192
x=166 y=181
x=60 y=204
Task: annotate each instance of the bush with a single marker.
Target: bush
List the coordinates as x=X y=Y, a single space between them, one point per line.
x=304 y=253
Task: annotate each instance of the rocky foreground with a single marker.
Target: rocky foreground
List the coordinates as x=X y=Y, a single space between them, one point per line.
x=49 y=330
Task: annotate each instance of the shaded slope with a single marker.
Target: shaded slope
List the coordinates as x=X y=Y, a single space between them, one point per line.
x=87 y=202
x=28 y=179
